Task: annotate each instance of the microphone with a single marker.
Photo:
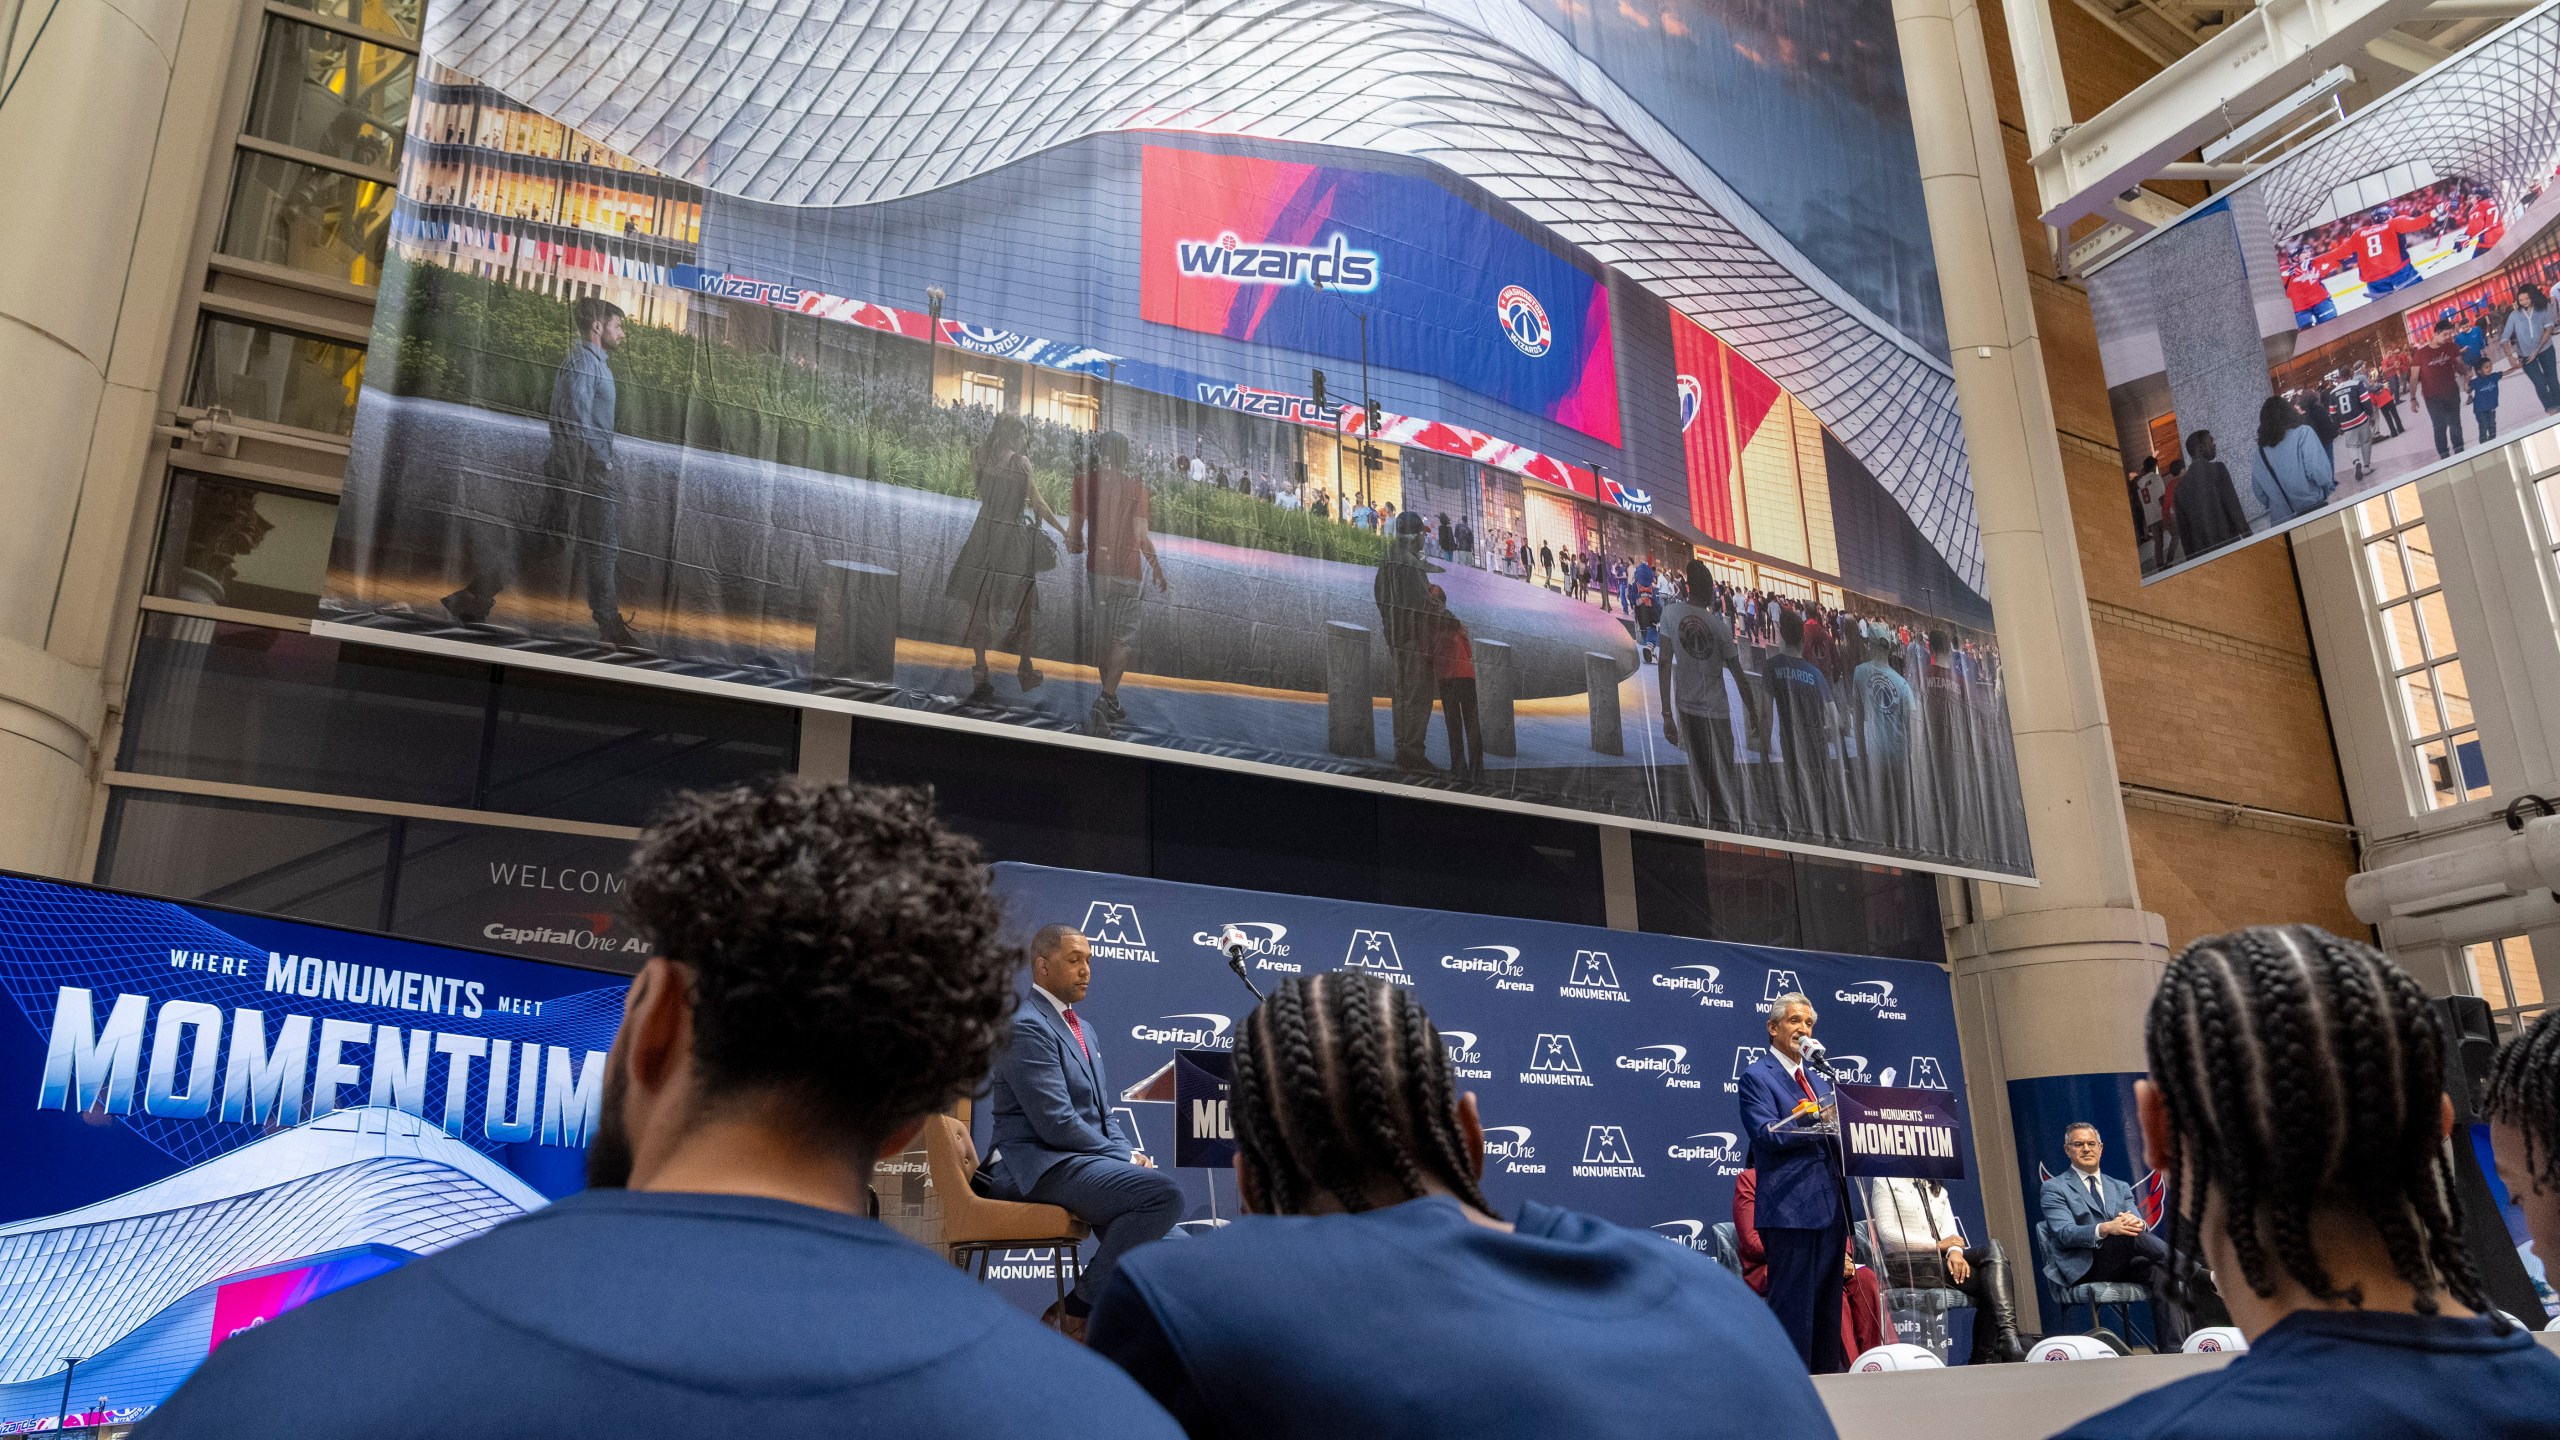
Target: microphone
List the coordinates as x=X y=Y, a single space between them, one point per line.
x=1813 y=1052
x=1235 y=942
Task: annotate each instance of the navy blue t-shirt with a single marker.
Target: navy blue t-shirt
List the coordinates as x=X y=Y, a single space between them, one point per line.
x=620 y=1313
x=2354 y=1375
x=1414 y=1322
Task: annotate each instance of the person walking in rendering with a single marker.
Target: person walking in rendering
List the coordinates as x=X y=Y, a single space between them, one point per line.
x=1453 y=665
x=2291 y=471
x=577 y=509
x=1107 y=523
x=2484 y=400
x=2528 y=338
x=1403 y=598
x=2207 y=513
x=999 y=565
x=2440 y=377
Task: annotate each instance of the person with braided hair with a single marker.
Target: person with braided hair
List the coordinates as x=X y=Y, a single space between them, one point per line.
x=1374 y=1291
x=2523 y=1108
x=2296 y=1099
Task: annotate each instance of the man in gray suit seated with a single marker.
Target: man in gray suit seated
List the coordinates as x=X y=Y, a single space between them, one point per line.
x=1056 y=1139
x=2094 y=1232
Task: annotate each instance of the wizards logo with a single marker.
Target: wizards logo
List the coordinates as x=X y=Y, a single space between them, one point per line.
x=1692 y=400
x=1524 y=321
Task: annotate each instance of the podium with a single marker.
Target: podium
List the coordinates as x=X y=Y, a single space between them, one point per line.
x=1897 y=1132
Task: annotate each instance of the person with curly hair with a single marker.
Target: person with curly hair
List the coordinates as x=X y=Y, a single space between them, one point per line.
x=826 y=975
x=2522 y=1104
x=2296 y=1101
x=1372 y=1290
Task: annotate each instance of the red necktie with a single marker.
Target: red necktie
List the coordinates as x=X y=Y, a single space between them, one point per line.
x=1078 y=1027
x=1806 y=1081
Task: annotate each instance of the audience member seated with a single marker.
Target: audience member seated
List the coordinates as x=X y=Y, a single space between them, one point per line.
x=1056 y=1139
x=826 y=975
x=2094 y=1233
x=1861 y=1301
x=1372 y=1291
x=1924 y=1249
x=2523 y=1105
x=2296 y=1101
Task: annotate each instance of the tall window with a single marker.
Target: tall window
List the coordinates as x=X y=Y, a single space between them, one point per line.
x=2427 y=682
x=2503 y=973
x=2542 y=462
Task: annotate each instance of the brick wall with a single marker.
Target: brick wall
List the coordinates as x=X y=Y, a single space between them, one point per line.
x=2222 y=738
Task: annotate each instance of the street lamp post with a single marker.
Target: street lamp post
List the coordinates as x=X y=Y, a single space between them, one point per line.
x=70 y=1363
x=1368 y=402
x=932 y=340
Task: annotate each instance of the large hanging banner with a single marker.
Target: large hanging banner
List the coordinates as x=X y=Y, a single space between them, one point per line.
x=2374 y=306
x=1605 y=1062
x=213 y=1117
x=1221 y=384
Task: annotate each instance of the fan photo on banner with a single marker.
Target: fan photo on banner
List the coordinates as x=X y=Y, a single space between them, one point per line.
x=2374 y=306
x=1606 y=1063
x=1195 y=389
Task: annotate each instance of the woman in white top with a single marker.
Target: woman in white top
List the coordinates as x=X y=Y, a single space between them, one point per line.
x=1925 y=1249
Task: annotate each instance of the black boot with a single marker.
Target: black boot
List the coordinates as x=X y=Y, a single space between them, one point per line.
x=1995 y=1317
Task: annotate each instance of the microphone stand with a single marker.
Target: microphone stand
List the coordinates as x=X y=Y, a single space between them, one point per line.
x=1235 y=962
x=1821 y=1064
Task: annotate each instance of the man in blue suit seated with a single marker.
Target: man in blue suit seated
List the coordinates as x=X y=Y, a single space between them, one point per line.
x=1056 y=1139
x=1802 y=1215
x=2094 y=1232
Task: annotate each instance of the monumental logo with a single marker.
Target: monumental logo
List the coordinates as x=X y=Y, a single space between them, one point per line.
x=1704 y=981
x=1375 y=952
x=1465 y=1061
x=1115 y=934
x=1194 y=1032
x=1266 y=942
x=1781 y=982
x=1606 y=1155
x=1554 y=1061
x=1524 y=321
x=1333 y=265
x=1926 y=1074
x=1720 y=1148
x=1671 y=1062
x=1593 y=978
x=1687 y=1234
x=1876 y=995
x=1510 y=1145
x=1744 y=1057
x=1499 y=963
x=1022 y=1265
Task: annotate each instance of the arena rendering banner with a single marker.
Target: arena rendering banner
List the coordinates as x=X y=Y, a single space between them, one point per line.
x=213 y=1117
x=1605 y=1062
x=2372 y=307
x=1134 y=376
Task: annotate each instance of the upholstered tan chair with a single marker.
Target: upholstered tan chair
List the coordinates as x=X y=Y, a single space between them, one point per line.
x=975 y=1227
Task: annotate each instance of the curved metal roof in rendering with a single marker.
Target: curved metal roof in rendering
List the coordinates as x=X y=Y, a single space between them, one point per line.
x=849 y=102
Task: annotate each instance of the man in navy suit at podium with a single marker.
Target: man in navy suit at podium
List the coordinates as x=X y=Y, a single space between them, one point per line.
x=1802 y=1215
x=1056 y=1139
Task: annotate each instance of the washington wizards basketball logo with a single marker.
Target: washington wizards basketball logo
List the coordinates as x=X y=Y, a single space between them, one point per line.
x=1691 y=394
x=1524 y=321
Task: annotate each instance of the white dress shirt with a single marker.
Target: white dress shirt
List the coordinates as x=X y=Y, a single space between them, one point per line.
x=1912 y=1216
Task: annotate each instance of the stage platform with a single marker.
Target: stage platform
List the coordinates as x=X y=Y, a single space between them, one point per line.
x=2002 y=1402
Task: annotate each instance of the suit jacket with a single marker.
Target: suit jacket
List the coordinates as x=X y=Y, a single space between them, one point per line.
x=1799 y=1187
x=2071 y=1222
x=1049 y=1099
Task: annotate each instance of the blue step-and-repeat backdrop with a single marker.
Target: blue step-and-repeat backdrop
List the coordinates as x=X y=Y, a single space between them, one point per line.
x=1604 y=1061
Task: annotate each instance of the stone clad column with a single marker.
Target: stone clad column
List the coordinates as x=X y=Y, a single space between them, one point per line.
x=2051 y=982
x=105 y=149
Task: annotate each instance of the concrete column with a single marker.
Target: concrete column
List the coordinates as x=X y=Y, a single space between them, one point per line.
x=2052 y=981
x=1600 y=678
x=857 y=622
x=1497 y=686
x=1350 y=715
x=105 y=147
